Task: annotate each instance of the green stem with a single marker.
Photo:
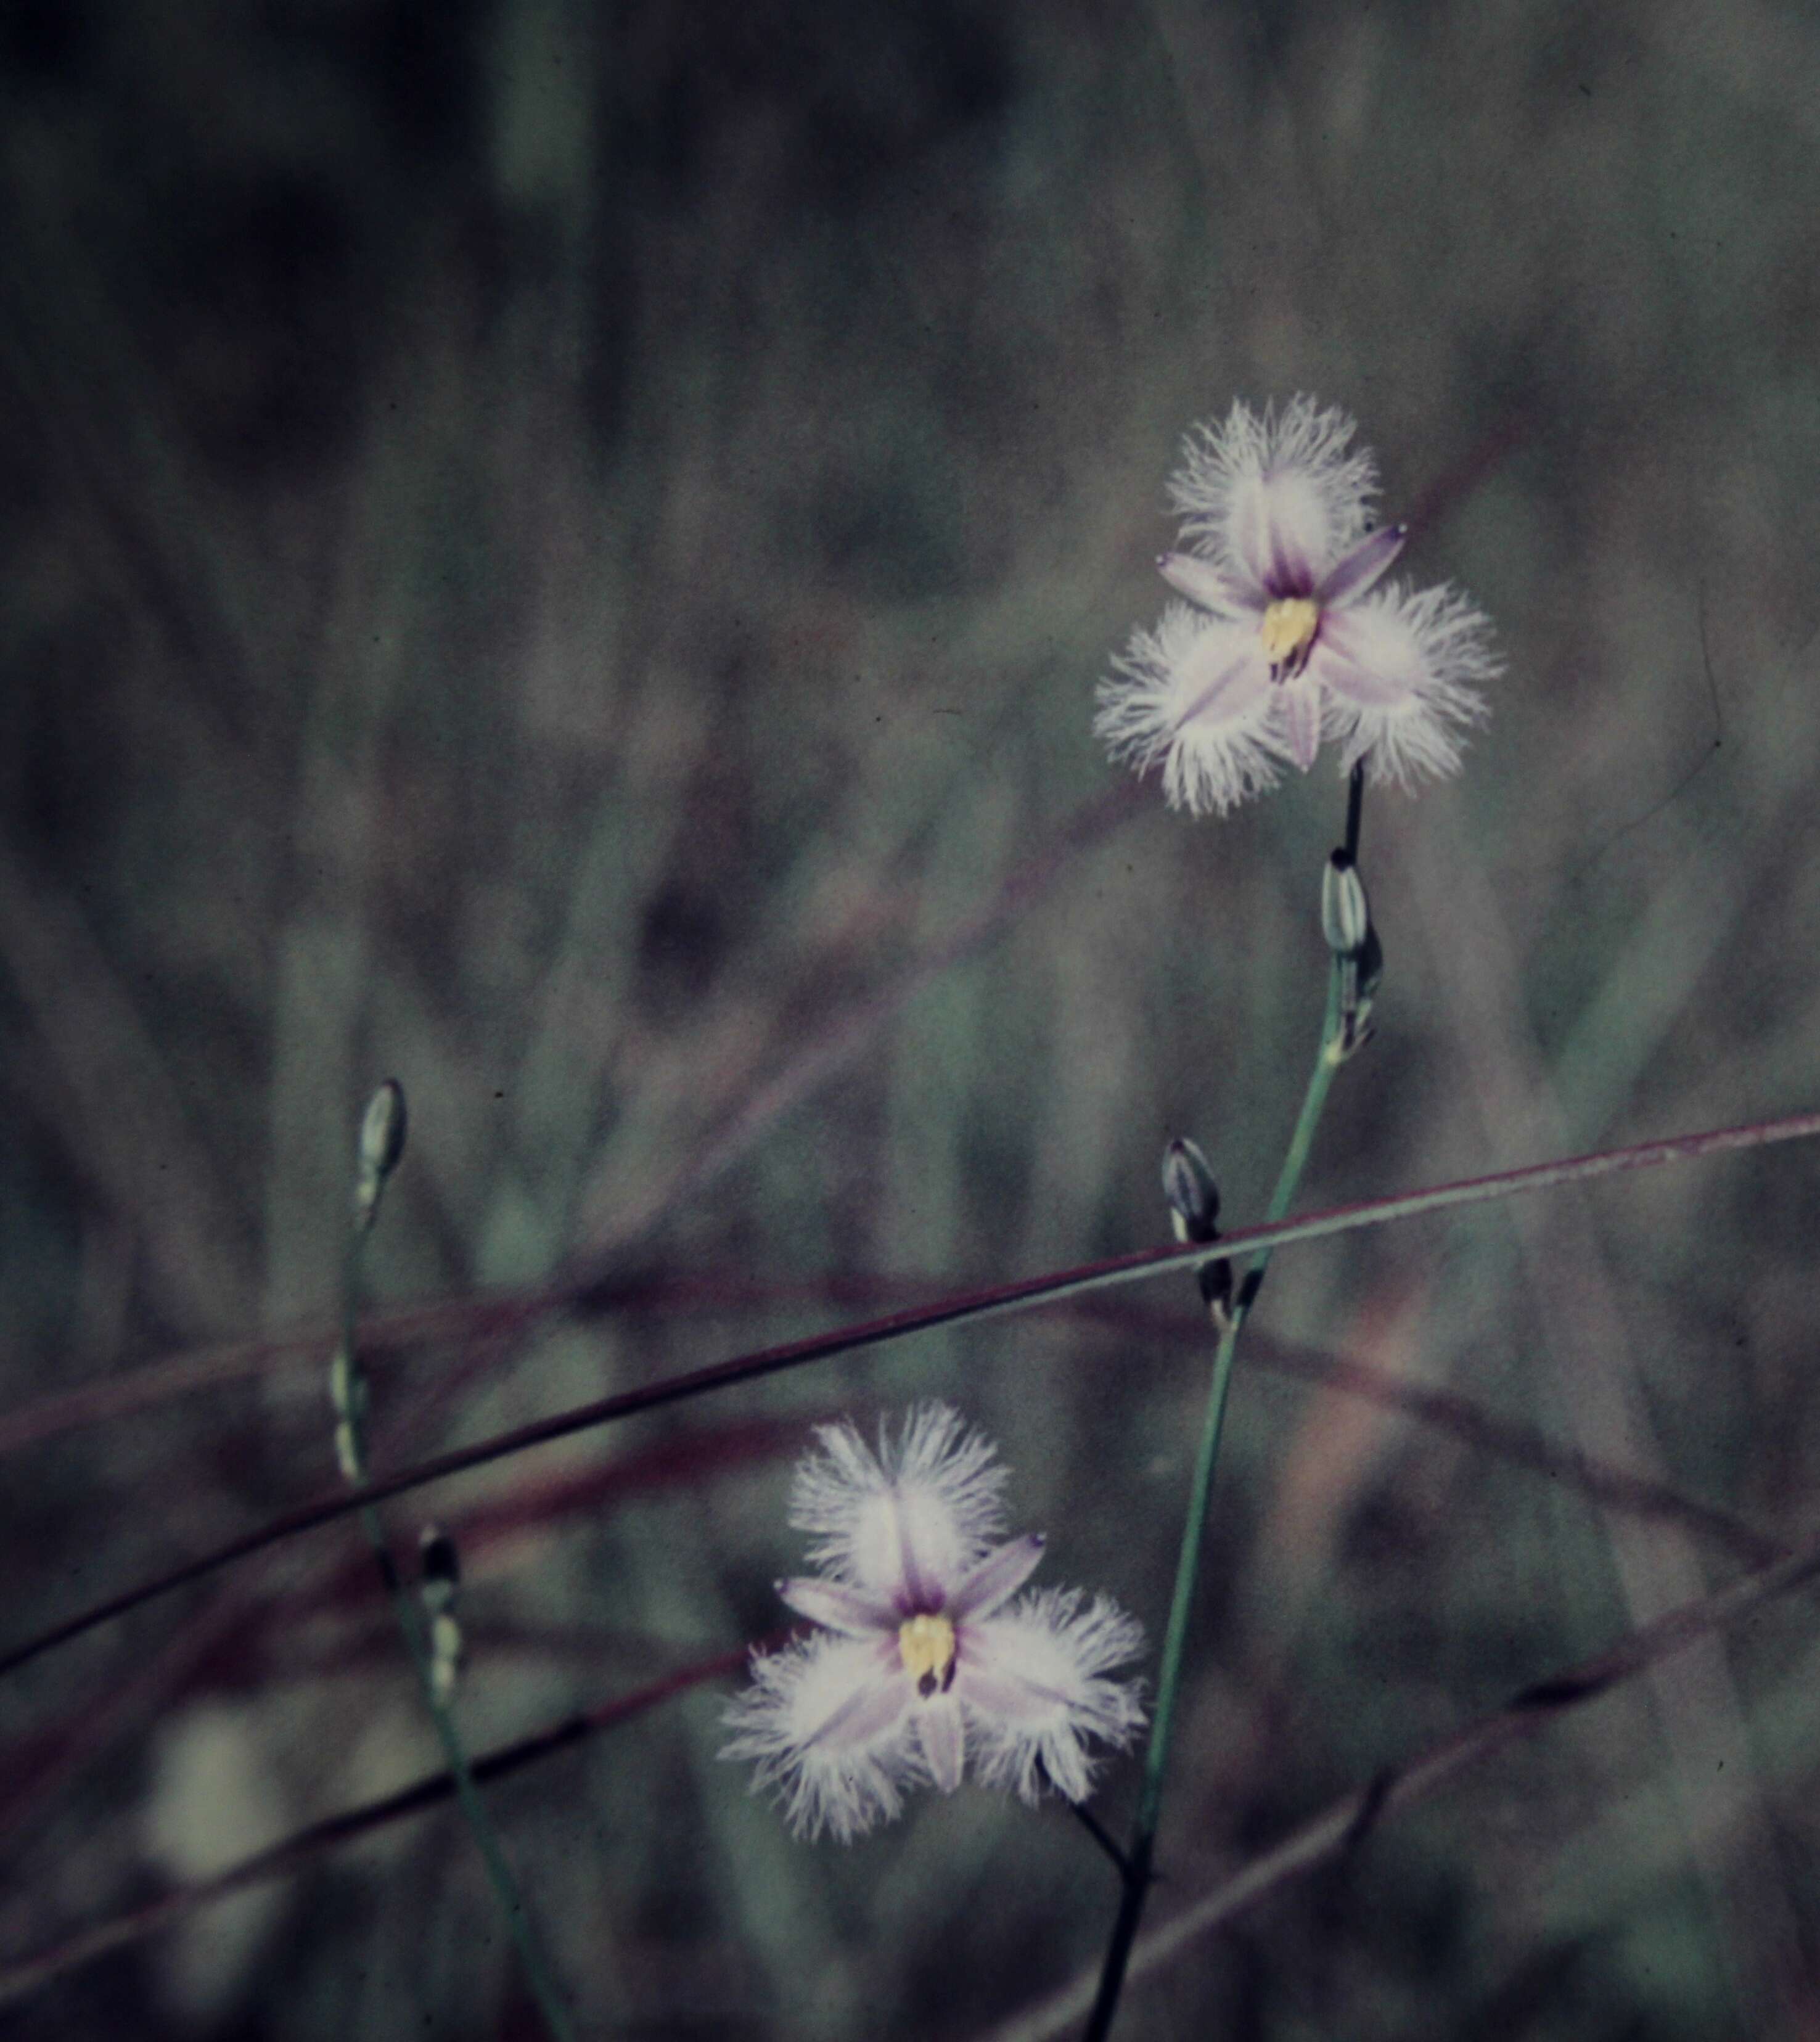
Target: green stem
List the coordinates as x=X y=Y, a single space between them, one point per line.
x=1213 y=1424
x=454 y=1752
x=1141 y=1852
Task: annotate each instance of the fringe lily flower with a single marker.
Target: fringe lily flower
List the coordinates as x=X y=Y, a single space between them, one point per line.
x=926 y=1661
x=1290 y=634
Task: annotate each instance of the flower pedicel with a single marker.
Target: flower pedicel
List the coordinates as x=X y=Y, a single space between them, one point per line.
x=925 y=1665
x=1290 y=635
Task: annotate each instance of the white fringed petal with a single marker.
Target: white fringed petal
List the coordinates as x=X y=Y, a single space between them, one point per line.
x=905 y=1523
x=1055 y=1655
x=825 y=1722
x=1277 y=498
x=1195 y=695
x=1425 y=652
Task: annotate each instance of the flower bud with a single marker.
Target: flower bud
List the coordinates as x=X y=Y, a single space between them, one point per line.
x=1360 y=977
x=344 y=1384
x=1188 y=1185
x=348 y=1455
x=382 y=1129
x=381 y=1144
x=1345 y=914
x=446 y=1650
x=1215 y=1279
x=440 y=1567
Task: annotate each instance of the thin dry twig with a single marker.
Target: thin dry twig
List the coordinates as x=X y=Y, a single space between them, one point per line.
x=1338 y=1830
x=972 y=1307
x=1341 y=1828
x=1459 y=1417
x=296 y=1851
x=1600 y=1481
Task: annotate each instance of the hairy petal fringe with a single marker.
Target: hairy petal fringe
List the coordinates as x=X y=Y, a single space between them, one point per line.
x=935 y=1493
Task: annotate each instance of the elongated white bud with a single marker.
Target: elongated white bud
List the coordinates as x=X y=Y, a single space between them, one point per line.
x=1345 y=913
x=1188 y=1185
x=381 y=1144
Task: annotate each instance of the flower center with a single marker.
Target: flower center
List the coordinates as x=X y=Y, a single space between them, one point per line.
x=926 y=1645
x=1287 y=631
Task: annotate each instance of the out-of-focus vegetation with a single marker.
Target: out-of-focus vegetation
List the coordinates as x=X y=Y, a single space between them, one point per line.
x=561 y=553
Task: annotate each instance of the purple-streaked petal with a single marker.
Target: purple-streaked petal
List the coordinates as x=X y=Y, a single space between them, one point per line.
x=1036 y=1681
x=1353 y=683
x=943 y=1737
x=865 y=1713
x=1285 y=529
x=1275 y=497
x=1200 y=582
x=1368 y=655
x=838 y=1606
x=1195 y=663
x=1280 y=531
x=997 y=1578
x=1302 y=720
x=1003 y=1697
x=1223 y=676
x=921 y=1589
x=1362 y=569
x=933 y=1488
x=1410 y=687
x=826 y=1721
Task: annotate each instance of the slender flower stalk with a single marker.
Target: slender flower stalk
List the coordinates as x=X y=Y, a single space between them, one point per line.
x=433 y=1657
x=1336 y=1045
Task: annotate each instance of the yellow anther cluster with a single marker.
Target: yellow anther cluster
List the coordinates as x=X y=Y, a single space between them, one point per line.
x=1288 y=630
x=926 y=1645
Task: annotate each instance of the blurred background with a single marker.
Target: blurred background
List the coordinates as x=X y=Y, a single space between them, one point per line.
x=561 y=553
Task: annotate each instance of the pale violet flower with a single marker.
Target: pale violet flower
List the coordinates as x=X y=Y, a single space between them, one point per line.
x=927 y=1661
x=1290 y=634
